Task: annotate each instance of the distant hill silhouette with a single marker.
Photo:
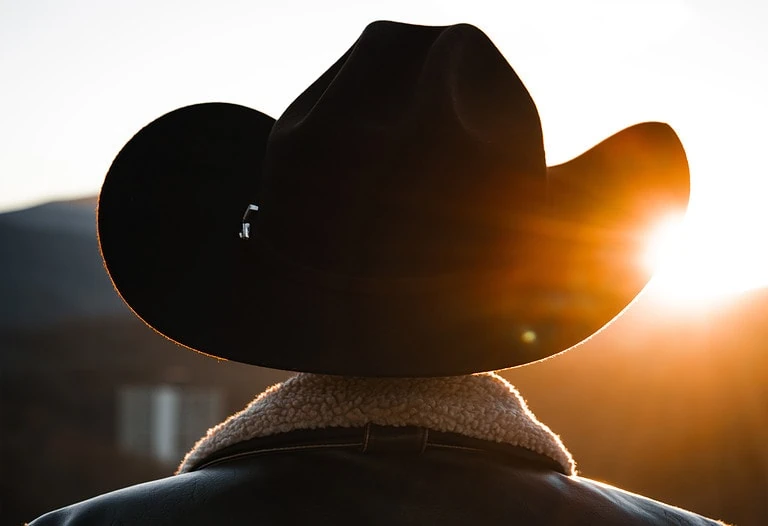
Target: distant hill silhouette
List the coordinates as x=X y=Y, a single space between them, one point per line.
x=50 y=267
x=667 y=403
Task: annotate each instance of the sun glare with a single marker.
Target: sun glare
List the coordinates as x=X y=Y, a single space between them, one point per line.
x=662 y=241
x=695 y=264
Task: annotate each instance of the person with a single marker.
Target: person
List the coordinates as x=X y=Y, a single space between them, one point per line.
x=393 y=237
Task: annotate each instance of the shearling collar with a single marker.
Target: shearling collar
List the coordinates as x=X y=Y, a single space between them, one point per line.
x=483 y=406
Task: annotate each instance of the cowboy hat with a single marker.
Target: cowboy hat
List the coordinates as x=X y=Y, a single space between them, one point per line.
x=398 y=219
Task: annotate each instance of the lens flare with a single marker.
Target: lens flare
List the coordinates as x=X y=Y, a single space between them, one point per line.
x=528 y=336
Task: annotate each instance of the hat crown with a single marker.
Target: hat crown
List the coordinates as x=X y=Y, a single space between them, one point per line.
x=396 y=159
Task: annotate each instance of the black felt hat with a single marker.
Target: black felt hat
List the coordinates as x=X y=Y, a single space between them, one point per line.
x=398 y=219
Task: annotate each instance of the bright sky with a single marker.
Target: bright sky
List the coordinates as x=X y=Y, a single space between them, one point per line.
x=80 y=77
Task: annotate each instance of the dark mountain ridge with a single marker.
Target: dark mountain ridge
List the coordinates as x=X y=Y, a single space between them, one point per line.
x=50 y=267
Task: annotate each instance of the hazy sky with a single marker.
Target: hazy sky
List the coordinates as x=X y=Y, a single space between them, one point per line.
x=80 y=77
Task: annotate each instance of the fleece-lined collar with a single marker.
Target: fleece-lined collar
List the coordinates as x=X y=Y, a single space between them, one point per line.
x=483 y=406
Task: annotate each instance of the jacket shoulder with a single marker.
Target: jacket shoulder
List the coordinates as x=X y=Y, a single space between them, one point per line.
x=463 y=486
x=593 y=495
x=180 y=499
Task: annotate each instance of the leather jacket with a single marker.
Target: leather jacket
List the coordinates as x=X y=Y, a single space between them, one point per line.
x=369 y=474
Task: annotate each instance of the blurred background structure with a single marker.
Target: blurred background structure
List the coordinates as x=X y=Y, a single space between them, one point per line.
x=670 y=401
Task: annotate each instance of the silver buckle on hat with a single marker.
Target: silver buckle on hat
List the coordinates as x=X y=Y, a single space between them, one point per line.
x=245 y=232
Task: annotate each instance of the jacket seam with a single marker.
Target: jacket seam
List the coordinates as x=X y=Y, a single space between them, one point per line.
x=235 y=456
x=449 y=446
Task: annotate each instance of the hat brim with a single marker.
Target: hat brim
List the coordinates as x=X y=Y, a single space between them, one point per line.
x=170 y=211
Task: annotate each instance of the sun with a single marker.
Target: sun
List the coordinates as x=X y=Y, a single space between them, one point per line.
x=663 y=242
x=697 y=262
